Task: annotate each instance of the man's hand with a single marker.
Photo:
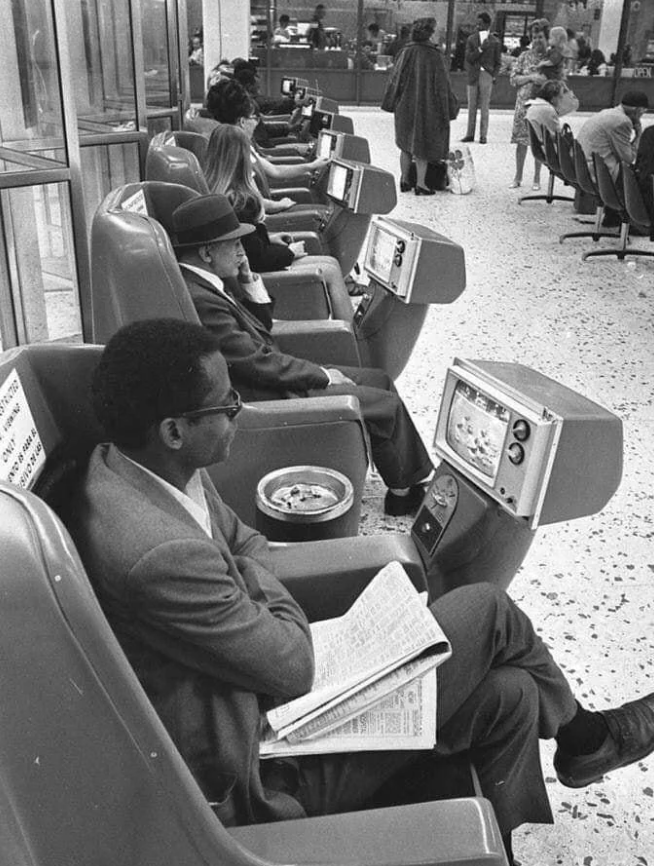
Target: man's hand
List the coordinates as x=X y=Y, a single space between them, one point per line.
x=338 y=378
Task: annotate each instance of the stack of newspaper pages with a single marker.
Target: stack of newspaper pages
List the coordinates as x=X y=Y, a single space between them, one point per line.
x=375 y=682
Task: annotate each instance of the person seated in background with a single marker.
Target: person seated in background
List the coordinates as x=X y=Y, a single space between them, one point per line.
x=208 y=246
x=196 y=52
x=228 y=170
x=282 y=34
x=596 y=62
x=542 y=110
x=400 y=41
x=553 y=67
x=584 y=51
x=228 y=102
x=521 y=47
x=215 y=638
x=614 y=133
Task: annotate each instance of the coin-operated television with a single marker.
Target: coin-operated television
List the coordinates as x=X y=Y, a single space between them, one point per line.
x=361 y=188
x=289 y=85
x=540 y=450
x=340 y=144
x=329 y=120
x=414 y=263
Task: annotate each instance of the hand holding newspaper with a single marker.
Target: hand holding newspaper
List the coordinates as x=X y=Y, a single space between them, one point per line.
x=375 y=682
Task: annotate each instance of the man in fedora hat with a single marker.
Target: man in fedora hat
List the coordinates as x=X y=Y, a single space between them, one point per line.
x=207 y=242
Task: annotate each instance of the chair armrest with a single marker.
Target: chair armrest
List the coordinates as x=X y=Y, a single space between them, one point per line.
x=299 y=194
x=460 y=832
x=285 y=159
x=324 y=341
x=326 y=577
x=299 y=295
x=320 y=431
x=298 y=220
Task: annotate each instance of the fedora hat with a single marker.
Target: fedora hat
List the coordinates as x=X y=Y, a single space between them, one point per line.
x=206 y=219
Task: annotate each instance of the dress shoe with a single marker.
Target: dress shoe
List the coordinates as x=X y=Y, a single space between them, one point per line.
x=420 y=190
x=515 y=184
x=482 y=140
x=405 y=186
x=468 y=138
x=404 y=506
x=630 y=738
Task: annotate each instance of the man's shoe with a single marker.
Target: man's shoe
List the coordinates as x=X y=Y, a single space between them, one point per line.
x=467 y=138
x=482 y=141
x=404 y=506
x=630 y=738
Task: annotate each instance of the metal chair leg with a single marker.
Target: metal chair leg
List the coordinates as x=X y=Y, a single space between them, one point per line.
x=595 y=234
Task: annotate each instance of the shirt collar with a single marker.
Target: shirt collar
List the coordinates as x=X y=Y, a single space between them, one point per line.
x=192 y=499
x=212 y=279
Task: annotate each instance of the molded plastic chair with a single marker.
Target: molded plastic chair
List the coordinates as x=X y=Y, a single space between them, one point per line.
x=539 y=153
x=635 y=206
x=612 y=196
x=575 y=168
x=88 y=774
x=324 y=431
x=301 y=295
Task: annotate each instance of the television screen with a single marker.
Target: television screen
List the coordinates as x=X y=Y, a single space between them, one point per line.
x=477 y=428
x=381 y=252
x=338 y=181
x=288 y=86
x=326 y=145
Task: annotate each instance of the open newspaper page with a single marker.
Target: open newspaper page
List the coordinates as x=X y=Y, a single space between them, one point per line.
x=386 y=627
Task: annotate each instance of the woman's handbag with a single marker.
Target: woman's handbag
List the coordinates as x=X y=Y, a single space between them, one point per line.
x=567 y=102
x=460 y=170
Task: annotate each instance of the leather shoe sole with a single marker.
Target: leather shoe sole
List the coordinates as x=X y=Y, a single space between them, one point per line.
x=404 y=506
x=467 y=138
x=630 y=738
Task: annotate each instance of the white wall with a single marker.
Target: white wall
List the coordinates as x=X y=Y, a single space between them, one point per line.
x=226 y=26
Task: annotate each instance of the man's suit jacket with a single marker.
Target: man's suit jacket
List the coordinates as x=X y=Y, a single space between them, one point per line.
x=610 y=133
x=211 y=633
x=487 y=56
x=258 y=370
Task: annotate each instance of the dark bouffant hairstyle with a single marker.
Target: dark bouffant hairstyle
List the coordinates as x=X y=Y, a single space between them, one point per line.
x=422 y=29
x=227 y=101
x=485 y=17
x=150 y=370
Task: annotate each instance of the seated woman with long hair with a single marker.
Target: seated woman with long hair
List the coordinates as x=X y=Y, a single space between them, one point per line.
x=228 y=169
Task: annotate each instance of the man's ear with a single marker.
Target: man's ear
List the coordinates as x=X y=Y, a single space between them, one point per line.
x=205 y=255
x=171 y=434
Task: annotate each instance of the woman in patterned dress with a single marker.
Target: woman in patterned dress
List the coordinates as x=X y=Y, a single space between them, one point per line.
x=524 y=75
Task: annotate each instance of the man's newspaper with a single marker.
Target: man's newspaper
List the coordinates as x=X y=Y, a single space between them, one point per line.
x=375 y=682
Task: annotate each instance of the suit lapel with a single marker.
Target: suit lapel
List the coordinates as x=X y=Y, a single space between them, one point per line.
x=250 y=319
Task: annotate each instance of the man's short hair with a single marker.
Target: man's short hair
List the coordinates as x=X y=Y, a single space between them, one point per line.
x=150 y=370
x=284 y=20
x=485 y=17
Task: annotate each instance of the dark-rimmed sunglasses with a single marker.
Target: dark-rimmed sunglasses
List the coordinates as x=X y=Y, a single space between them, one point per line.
x=231 y=409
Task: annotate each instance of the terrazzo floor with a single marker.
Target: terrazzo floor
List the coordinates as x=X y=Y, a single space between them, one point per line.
x=588 y=584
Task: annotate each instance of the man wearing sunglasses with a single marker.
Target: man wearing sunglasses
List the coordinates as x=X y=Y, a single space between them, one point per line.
x=215 y=638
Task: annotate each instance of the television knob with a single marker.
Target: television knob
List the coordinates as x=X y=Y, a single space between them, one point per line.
x=521 y=430
x=516 y=453
x=398 y=259
x=400 y=246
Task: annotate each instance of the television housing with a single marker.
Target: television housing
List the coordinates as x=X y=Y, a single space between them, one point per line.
x=361 y=188
x=543 y=452
x=326 y=144
x=413 y=262
x=288 y=86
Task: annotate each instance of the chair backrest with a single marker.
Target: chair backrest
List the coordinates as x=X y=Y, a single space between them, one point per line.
x=88 y=774
x=550 y=151
x=633 y=199
x=584 y=177
x=535 y=143
x=134 y=272
x=168 y=163
x=609 y=192
x=566 y=159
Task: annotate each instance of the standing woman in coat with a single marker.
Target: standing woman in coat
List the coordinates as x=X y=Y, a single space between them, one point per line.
x=423 y=103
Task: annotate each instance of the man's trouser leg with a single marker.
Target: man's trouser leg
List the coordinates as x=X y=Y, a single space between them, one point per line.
x=485 y=88
x=498 y=694
x=398 y=451
x=472 y=110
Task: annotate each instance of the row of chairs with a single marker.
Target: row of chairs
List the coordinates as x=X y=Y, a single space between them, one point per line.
x=87 y=771
x=566 y=161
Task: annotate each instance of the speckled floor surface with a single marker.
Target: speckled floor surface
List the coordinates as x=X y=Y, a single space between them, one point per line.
x=588 y=584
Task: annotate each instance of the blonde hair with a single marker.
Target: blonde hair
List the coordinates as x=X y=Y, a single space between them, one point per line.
x=228 y=170
x=559 y=37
